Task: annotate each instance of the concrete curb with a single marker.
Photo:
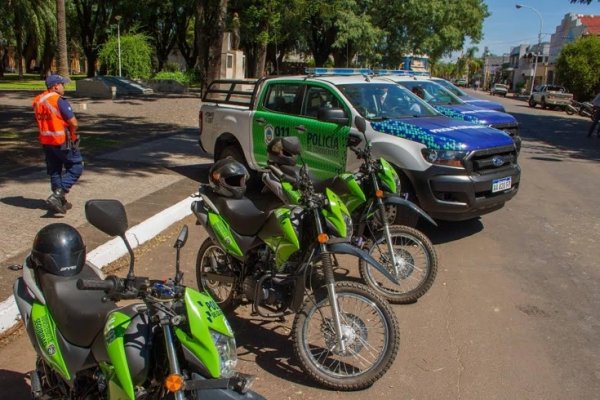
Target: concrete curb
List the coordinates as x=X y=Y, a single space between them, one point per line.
x=112 y=250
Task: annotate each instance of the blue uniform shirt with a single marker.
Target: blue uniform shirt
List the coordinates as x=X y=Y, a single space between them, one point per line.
x=65 y=109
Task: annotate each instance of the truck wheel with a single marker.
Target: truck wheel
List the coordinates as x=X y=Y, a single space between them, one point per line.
x=398 y=215
x=233 y=151
x=531 y=102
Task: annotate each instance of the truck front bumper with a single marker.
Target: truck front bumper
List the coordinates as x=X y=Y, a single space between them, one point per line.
x=459 y=194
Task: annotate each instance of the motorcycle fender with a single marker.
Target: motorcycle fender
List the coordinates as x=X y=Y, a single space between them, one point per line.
x=204 y=316
x=390 y=199
x=46 y=336
x=114 y=334
x=347 y=248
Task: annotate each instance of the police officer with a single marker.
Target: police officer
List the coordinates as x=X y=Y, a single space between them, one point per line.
x=58 y=135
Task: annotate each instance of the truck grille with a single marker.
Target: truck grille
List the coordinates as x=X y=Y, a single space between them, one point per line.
x=491 y=160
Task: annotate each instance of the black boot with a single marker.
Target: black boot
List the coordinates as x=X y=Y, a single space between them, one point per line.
x=57 y=202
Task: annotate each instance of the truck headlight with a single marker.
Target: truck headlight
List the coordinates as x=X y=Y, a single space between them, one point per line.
x=448 y=158
x=227 y=353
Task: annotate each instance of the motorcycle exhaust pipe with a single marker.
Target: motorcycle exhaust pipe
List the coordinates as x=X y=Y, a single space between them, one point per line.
x=36 y=384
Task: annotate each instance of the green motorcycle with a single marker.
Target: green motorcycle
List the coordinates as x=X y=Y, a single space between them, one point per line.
x=345 y=336
x=168 y=342
x=369 y=194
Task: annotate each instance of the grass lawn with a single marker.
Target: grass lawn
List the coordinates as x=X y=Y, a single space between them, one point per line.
x=31 y=82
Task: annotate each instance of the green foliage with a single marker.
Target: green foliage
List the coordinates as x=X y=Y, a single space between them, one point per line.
x=136 y=56
x=578 y=67
x=179 y=76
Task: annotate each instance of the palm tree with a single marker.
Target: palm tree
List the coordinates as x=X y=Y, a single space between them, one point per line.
x=32 y=21
x=62 y=62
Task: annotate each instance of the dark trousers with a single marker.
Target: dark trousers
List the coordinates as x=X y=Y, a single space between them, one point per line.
x=57 y=158
x=595 y=119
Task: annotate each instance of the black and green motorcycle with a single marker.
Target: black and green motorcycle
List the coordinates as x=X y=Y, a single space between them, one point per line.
x=345 y=336
x=370 y=194
x=167 y=342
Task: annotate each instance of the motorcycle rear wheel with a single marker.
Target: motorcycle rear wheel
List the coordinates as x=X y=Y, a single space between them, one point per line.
x=372 y=337
x=212 y=259
x=417 y=261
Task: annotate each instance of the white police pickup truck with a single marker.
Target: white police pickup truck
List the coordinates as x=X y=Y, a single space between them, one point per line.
x=455 y=170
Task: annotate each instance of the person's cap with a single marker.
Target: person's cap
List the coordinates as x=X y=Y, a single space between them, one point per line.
x=55 y=80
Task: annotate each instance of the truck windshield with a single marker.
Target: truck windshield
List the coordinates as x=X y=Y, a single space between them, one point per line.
x=378 y=101
x=432 y=93
x=448 y=85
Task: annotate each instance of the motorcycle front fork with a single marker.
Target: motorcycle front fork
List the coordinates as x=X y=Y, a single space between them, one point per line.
x=327 y=265
x=172 y=357
x=388 y=237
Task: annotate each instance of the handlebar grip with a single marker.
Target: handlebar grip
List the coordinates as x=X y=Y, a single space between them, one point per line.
x=94 y=284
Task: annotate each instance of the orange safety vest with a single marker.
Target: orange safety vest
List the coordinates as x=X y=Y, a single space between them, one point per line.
x=50 y=122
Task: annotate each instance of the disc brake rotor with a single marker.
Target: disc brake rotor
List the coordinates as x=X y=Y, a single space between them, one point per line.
x=354 y=333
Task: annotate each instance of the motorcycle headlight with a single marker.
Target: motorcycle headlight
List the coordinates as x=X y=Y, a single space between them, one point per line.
x=448 y=158
x=227 y=353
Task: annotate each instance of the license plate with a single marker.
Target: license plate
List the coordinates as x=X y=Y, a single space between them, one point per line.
x=499 y=185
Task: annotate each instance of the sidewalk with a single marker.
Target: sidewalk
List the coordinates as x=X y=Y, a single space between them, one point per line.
x=147 y=179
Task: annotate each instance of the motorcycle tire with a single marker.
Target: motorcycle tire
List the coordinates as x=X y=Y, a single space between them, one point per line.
x=213 y=259
x=569 y=110
x=418 y=265
x=372 y=337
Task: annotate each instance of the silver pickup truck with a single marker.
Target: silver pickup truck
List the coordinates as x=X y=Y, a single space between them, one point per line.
x=550 y=96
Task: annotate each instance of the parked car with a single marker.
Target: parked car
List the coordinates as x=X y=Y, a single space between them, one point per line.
x=550 y=96
x=499 y=89
x=461 y=82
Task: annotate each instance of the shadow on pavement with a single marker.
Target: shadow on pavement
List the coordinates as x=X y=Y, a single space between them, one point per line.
x=14 y=385
x=556 y=138
x=450 y=231
x=271 y=348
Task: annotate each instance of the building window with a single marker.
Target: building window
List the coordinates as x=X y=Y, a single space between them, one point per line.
x=229 y=60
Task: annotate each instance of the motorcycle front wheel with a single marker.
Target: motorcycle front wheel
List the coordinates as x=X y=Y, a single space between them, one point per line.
x=416 y=261
x=370 y=334
x=215 y=275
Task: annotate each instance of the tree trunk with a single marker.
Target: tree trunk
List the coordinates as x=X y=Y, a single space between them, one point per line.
x=62 y=61
x=261 y=60
x=214 y=51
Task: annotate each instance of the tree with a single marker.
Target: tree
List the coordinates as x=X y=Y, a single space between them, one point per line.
x=136 y=56
x=209 y=27
x=93 y=17
x=433 y=27
x=577 y=67
x=33 y=26
x=62 y=61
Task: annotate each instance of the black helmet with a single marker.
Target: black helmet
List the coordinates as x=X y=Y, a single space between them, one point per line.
x=283 y=151
x=228 y=177
x=58 y=249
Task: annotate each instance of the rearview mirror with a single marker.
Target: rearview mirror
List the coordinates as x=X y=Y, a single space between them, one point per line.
x=361 y=124
x=334 y=115
x=107 y=215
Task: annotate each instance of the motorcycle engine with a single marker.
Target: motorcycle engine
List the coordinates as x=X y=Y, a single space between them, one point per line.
x=273 y=290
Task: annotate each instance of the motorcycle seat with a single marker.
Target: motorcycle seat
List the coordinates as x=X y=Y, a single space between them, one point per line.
x=79 y=314
x=241 y=214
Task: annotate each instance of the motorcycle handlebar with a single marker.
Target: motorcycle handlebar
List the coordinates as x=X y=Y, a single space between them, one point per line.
x=109 y=284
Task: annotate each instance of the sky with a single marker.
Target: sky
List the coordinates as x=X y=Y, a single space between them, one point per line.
x=508 y=26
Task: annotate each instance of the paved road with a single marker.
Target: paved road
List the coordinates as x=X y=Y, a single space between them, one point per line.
x=513 y=313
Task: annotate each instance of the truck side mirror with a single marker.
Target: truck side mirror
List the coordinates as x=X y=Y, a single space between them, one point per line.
x=334 y=115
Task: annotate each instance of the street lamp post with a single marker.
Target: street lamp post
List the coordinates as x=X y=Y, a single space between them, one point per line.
x=518 y=6
x=118 y=18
